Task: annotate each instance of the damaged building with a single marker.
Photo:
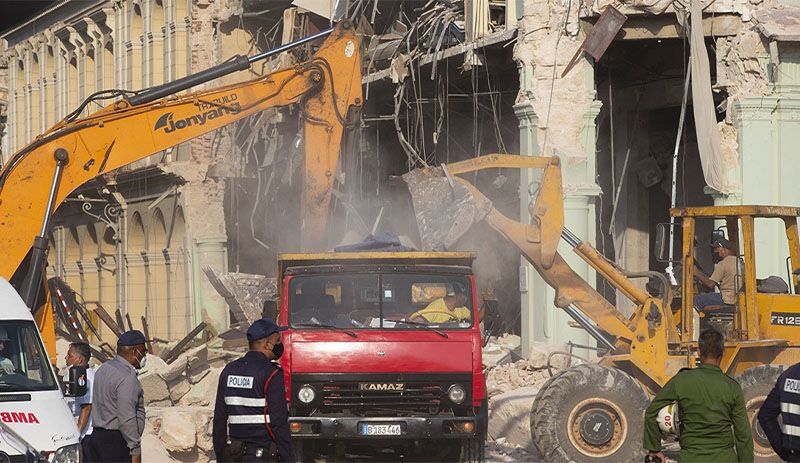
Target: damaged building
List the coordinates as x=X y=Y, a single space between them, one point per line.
x=633 y=98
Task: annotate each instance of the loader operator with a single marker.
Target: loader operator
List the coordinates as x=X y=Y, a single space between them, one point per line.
x=715 y=424
x=445 y=309
x=726 y=275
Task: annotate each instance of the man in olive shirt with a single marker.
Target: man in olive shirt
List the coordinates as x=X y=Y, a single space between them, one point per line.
x=118 y=409
x=715 y=426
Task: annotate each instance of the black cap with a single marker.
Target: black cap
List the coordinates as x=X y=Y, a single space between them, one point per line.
x=132 y=338
x=722 y=243
x=456 y=289
x=262 y=328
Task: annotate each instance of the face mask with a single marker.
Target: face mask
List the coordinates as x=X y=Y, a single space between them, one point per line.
x=143 y=361
x=277 y=350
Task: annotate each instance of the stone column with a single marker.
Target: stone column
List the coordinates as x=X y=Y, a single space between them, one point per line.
x=541 y=319
x=768 y=133
x=208 y=304
x=528 y=146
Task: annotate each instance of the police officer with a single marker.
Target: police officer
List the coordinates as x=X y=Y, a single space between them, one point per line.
x=715 y=423
x=251 y=402
x=783 y=400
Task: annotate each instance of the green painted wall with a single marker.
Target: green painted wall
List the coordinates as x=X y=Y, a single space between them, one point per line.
x=769 y=159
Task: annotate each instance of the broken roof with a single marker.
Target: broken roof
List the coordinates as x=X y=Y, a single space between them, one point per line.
x=781 y=23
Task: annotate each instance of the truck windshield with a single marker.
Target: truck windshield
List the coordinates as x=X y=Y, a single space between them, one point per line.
x=407 y=301
x=23 y=360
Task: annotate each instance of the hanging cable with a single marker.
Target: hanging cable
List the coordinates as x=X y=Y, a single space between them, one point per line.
x=673 y=193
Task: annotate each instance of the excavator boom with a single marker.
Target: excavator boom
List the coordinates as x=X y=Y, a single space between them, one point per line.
x=122 y=133
x=76 y=150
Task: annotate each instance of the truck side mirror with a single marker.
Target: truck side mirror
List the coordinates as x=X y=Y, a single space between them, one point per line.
x=270 y=309
x=76 y=385
x=662 y=242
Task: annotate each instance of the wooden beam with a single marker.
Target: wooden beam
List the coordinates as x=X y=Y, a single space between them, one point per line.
x=666 y=26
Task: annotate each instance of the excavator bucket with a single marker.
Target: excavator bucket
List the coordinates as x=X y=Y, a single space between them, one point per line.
x=445 y=207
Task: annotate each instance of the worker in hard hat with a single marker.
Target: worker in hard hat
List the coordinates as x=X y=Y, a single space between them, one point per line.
x=715 y=426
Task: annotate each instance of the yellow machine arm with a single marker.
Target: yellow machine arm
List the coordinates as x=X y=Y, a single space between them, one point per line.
x=538 y=242
x=76 y=151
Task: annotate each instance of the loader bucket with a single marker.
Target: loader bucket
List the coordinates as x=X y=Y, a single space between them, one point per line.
x=445 y=207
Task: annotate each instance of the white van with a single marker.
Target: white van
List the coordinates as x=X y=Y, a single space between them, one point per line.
x=34 y=418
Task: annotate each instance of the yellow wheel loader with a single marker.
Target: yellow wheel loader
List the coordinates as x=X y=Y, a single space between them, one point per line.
x=595 y=412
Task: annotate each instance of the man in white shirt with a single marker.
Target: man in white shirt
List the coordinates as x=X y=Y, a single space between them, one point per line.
x=6 y=365
x=79 y=355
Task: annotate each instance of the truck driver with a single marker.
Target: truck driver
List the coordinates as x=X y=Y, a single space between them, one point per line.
x=445 y=309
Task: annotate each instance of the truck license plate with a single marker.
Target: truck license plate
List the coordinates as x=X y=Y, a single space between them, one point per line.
x=380 y=429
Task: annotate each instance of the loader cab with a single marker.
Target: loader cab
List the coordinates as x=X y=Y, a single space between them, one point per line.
x=766 y=244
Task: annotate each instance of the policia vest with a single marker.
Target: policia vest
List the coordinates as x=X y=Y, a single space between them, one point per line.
x=255 y=401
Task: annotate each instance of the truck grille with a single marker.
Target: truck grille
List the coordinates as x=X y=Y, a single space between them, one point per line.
x=414 y=395
x=368 y=393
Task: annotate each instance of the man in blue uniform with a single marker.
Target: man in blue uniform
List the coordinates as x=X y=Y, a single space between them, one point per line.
x=783 y=400
x=251 y=402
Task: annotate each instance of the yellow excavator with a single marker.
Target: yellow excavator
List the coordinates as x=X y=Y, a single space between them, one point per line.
x=594 y=412
x=42 y=174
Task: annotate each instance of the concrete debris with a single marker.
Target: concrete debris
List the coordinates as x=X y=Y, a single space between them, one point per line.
x=782 y=23
x=179 y=398
x=156 y=392
x=180 y=395
x=178 y=431
x=512 y=386
x=244 y=293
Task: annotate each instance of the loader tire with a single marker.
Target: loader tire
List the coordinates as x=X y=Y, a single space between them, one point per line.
x=756 y=384
x=590 y=413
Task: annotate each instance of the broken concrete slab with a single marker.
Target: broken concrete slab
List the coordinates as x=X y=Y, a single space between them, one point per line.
x=245 y=293
x=153 y=450
x=204 y=392
x=156 y=392
x=178 y=388
x=542 y=352
x=780 y=23
x=178 y=432
x=174 y=370
x=510 y=415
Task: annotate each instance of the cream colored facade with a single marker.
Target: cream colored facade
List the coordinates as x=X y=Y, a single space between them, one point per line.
x=137 y=240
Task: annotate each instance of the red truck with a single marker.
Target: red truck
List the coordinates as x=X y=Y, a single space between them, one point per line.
x=364 y=373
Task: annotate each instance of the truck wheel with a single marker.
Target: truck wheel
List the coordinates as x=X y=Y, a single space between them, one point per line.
x=756 y=384
x=300 y=452
x=473 y=451
x=590 y=413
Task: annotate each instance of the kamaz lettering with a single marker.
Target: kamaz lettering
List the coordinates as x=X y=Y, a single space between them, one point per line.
x=169 y=124
x=381 y=386
x=18 y=417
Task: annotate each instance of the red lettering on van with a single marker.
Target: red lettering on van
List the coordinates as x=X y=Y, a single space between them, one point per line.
x=18 y=417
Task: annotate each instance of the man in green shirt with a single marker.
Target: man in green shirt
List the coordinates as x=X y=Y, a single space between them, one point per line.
x=715 y=427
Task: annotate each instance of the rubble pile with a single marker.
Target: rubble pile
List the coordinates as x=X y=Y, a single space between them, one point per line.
x=180 y=394
x=179 y=400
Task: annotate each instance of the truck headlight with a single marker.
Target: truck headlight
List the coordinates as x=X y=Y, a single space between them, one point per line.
x=306 y=394
x=457 y=393
x=68 y=454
